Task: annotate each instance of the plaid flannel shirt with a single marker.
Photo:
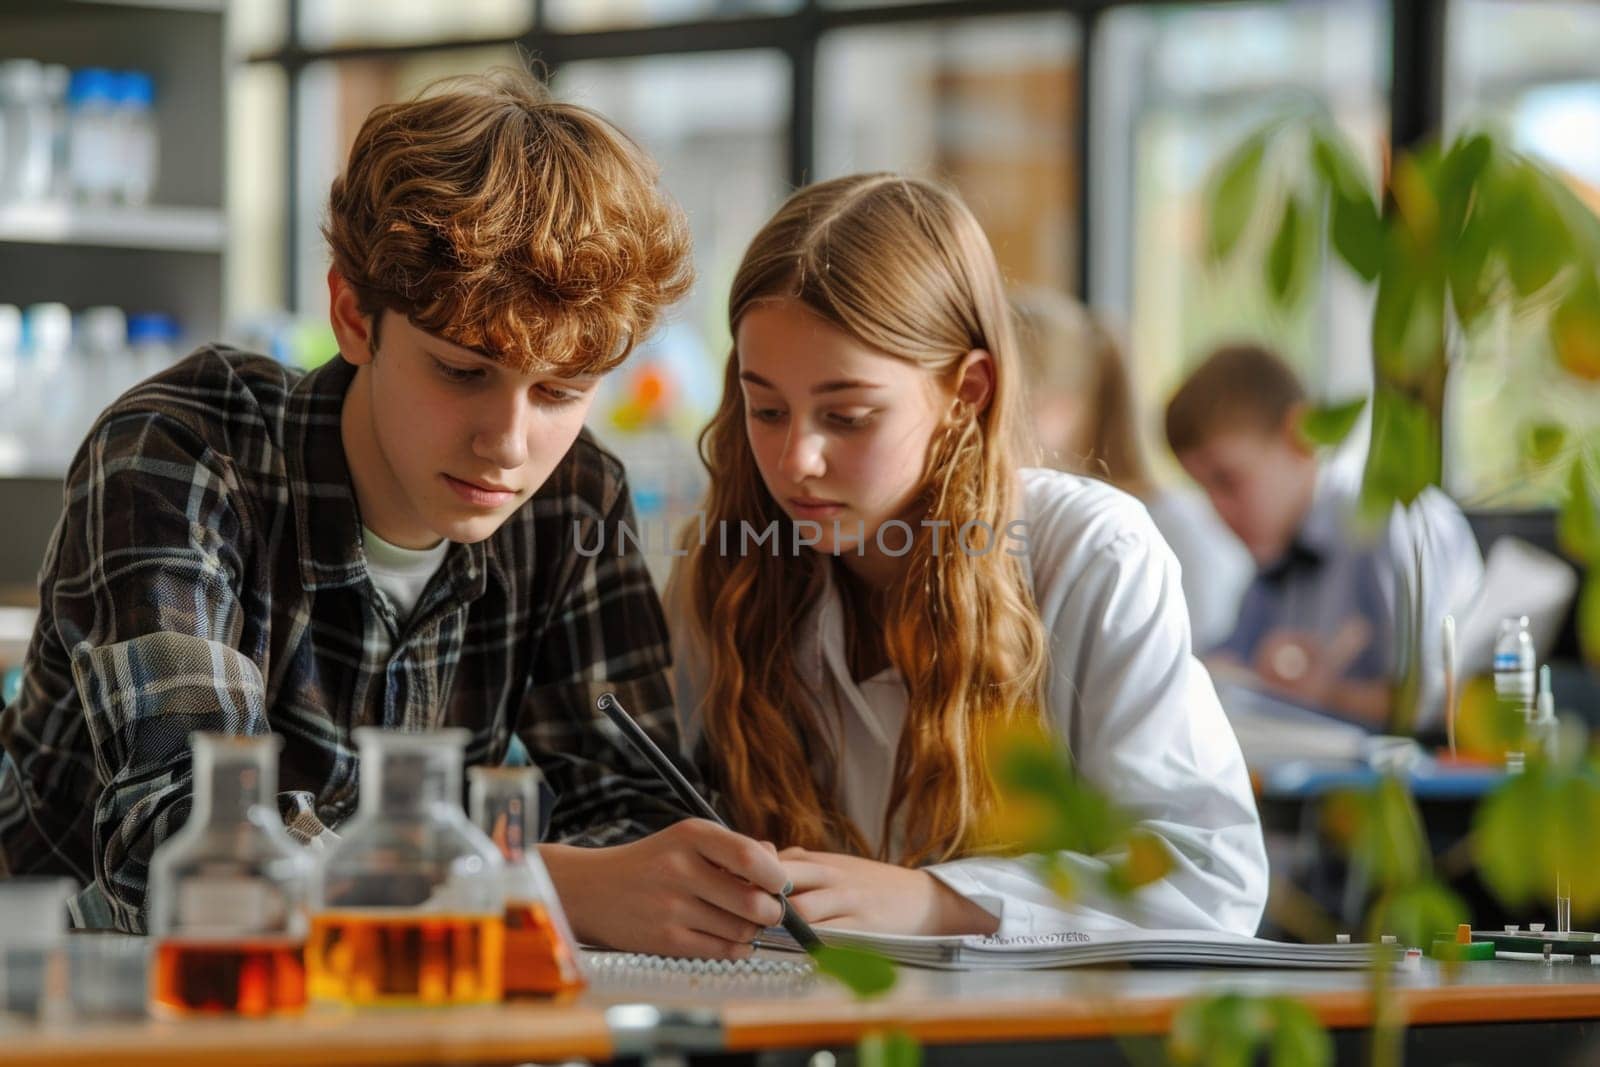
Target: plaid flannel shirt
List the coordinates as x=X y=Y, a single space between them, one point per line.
x=208 y=574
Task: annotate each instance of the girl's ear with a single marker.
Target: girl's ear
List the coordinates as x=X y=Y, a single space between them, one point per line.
x=975 y=383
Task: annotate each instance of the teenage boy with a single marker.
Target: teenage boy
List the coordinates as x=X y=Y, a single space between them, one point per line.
x=389 y=540
x=1318 y=622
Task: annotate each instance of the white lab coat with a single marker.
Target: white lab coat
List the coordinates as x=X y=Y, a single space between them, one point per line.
x=1137 y=710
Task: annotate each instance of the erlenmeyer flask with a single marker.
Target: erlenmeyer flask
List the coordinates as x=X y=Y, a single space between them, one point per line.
x=227 y=893
x=541 y=953
x=408 y=906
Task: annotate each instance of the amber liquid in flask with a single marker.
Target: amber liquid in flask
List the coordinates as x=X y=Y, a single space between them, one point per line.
x=539 y=961
x=243 y=977
x=228 y=892
x=541 y=953
x=364 y=958
x=408 y=906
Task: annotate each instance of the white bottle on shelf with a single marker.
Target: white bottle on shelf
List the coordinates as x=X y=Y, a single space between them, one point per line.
x=152 y=343
x=104 y=361
x=94 y=137
x=135 y=103
x=29 y=148
x=48 y=383
x=57 y=80
x=10 y=355
x=11 y=450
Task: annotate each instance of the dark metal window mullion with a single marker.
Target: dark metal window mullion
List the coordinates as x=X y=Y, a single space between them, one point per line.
x=291 y=189
x=1088 y=22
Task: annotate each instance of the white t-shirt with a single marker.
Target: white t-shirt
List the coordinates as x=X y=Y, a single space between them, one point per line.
x=401 y=574
x=1135 y=707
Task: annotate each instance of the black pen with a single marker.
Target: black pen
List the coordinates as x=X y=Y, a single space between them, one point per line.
x=798 y=928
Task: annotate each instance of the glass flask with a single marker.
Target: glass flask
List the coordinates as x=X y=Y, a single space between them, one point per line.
x=541 y=953
x=408 y=906
x=228 y=892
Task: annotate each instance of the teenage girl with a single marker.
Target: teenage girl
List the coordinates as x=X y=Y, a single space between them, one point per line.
x=916 y=588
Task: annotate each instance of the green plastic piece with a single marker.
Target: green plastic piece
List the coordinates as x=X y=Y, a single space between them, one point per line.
x=1453 y=950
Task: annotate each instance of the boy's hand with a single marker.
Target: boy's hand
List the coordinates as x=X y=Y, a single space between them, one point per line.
x=1307 y=667
x=694 y=889
x=860 y=894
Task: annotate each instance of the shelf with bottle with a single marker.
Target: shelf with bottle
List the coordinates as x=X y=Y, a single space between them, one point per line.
x=79 y=152
x=58 y=371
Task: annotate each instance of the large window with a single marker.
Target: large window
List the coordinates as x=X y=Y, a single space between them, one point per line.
x=1181 y=86
x=1081 y=132
x=987 y=105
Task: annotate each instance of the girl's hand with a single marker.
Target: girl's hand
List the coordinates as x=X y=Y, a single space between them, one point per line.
x=860 y=894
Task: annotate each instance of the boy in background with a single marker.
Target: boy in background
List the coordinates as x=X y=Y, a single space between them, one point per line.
x=1318 y=622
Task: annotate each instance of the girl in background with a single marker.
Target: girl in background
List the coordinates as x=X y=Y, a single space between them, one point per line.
x=1082 y=410
x=838 y=682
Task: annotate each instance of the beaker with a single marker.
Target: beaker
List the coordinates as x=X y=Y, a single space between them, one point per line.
x=408 y=905
x=541 y=953
x=227 y=893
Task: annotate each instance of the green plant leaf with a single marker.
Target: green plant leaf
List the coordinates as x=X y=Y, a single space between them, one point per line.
x=1405 y=455
x=1298 y=1036
x=1416 y=200
x=1460 y=172
x=1149 y=859
x=1542 y=442
x=1578 y=526
x=1381 y=831
x=896 y=1048
x=1418 y=913
x=1233 y=195
x=1044 y=804
x=1539 y=827
x=1283 y=256
x=1408 y=319
x=1229 y=1029
x=865 y=974
x=1331 y=423
x=1354 y=225
x=1356 y=231
x=1338 y=165
x=1575 y=327
x=1589 y=618
x=1471 y=286
x=1536 y=238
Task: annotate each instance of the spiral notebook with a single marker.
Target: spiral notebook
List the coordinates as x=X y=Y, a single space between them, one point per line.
x=1081 y=948
x=780 y=973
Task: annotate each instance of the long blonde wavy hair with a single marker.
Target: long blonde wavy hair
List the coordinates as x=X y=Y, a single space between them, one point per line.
x=901 y=266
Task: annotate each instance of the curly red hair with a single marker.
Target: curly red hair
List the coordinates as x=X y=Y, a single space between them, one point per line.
x=492 y=216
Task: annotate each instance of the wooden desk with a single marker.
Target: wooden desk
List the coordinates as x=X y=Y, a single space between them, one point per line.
x=958 y=1016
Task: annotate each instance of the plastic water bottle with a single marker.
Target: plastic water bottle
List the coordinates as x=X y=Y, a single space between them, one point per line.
x=1514 y=678
x=1514 y=664
x=94 y=137
x=137 y=129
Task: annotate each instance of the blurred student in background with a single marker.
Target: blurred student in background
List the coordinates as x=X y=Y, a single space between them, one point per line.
x=1082 y=408
x=1318 y=623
